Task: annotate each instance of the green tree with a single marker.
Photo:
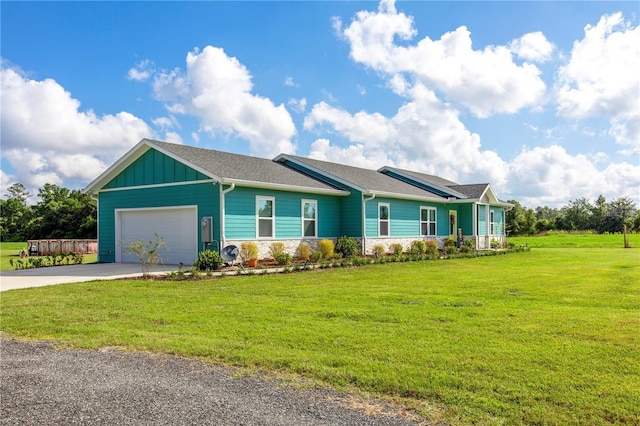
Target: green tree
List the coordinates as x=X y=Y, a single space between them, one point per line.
x=514 y=219
x=15 y=216
x=622 y=211
x=64 y=213
x=577 y=215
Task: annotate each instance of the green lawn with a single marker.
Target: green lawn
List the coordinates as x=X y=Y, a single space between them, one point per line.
x=575 y=240
x=10 y=251
x=550 y=336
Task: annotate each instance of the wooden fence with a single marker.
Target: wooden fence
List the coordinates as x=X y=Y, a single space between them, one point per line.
x=49 y=247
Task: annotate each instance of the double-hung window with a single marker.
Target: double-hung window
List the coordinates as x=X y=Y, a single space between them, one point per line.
x=427 y=221
x=309 y=218
x=383 y=219
x=266 y=216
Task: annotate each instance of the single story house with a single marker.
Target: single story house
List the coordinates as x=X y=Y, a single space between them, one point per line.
x=197 y=198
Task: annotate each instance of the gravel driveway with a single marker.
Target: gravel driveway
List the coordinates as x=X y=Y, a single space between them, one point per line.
x=44 y=386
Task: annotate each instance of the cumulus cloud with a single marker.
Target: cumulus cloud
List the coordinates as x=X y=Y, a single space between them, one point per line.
x=485 y=81
x=289 y=82
x=424 y=135
x=44 y=130
x=601 y=78
x=298 y=105
x=532 y=47
x=217 y=89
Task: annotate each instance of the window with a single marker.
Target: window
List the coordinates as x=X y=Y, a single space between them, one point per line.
x=383 y=219
x=428 y=221
x=309 y=218
x=265 y=214
x=492 y=221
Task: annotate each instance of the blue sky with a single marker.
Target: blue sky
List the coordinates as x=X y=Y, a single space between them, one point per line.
x=541 y=99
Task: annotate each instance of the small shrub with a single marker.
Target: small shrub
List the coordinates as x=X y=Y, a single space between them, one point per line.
x=276 y=249
x=248 y=251
x=147 y=253
x=347 y=246
x=431 y=247
x=304 y=251
x=378 y=250
x=208 y=260
x=495 y=244
x=396 y=249
x=449 y=246
x=417 y=248
x=316 y=256
x=283 y=258
x=468 y=246
x=326 y=248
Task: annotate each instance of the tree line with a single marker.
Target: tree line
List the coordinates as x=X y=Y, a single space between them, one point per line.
x=59 y=213
x=579 y=215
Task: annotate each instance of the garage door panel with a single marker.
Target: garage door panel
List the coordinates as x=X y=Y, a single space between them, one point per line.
x=178 y=227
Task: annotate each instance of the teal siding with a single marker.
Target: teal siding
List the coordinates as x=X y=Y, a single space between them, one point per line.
x=204 y=196
x=154 y=168
x=465 y=218
x=351 y=214
x=482 y=220
x=240 y=215
x=404 y=217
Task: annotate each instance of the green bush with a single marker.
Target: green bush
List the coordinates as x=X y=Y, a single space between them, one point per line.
x=283 y=258
x=449 y=246
x=208 y=260
x=431 y=247
x=248 y=251
x=396 y=249
x=326 y=247
x=347 y=246
x=316 y=256
x=417 y=248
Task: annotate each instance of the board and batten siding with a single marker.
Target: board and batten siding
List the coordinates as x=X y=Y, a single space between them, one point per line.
x=404 y=217
x=240 y=213
x=203 y=195
x=154 y=168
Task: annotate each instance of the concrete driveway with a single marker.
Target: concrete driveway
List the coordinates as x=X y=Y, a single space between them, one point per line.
x=38 y=277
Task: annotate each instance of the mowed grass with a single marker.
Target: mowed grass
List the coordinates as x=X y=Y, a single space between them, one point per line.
x=551 y=336
x=10 y=251
x=577 y=240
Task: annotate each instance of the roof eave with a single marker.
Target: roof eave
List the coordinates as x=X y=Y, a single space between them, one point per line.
x=285 y=187
x=444 y=189
x=284 y=157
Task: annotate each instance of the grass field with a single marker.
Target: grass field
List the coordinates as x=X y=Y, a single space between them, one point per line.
x=10 y=251
x=577 y=240
x=549 y=336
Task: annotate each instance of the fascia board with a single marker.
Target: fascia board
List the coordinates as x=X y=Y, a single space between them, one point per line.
x=283 y=187
x=284 y=157
x=444 y=189
x=395 y=195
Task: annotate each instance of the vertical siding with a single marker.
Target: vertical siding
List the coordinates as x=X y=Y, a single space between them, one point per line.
x=204 y=195
x=154 y=168
x=240 y=213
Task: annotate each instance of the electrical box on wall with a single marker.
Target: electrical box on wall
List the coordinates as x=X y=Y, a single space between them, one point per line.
x=207 y=229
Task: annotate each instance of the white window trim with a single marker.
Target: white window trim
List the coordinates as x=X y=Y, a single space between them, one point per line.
x=273 y=217
x=435 y=221
x=315 y=224
x=387 y=220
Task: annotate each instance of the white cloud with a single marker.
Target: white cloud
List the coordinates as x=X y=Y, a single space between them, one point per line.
x=602 y=78
x=298 y=105
x=532 y=47
x=44 y=130
x=289 y=82
x=551 y=176
x=142 y=71
x=485 y=81
x=216 y=88
x=424 y=135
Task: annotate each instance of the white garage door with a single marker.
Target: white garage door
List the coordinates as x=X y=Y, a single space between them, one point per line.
x=178 y=227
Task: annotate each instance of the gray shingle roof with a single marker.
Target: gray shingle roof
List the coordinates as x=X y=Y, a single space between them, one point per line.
x=367 y=179
x=474 y=191
x=236 y=167
x=436 y=180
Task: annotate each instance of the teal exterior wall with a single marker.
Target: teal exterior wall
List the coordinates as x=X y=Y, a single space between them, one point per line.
x=351 y=215
x=203 y=195
x=482 y=220
x=154 y=168
x=498 y=217
x=404 y=217
x=465 y=218
x=240 y=213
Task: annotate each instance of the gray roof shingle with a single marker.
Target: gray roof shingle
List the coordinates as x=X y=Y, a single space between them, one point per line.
x=236 y=167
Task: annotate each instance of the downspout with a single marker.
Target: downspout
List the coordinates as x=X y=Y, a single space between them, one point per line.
x=475 y=223
x=364 y=222
x=223 y=192
x=95 y=197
